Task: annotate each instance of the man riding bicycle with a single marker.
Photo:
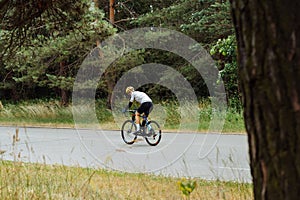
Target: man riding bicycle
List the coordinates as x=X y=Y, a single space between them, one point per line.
x=143 y=99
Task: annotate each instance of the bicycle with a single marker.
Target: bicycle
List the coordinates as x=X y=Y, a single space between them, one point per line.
x=150 y=130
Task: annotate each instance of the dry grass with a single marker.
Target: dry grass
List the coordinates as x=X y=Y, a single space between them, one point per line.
x=51 y=113
x=36 y=181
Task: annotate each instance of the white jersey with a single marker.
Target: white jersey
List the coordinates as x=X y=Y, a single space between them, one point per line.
x=140 y=97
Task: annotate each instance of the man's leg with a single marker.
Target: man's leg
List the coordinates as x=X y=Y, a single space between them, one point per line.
x=148 y=109
x=137 y=120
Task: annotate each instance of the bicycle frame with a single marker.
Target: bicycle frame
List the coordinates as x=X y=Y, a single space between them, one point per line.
x=142 y=131
x=152 y=137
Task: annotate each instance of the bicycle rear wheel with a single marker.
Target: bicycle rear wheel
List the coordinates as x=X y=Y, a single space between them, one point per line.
x=128 y=128
x=155 y=136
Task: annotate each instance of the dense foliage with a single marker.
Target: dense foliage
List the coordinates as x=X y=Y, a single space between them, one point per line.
x=25 y=21
x=46 y=65
x=224 y=52
x=43 y=47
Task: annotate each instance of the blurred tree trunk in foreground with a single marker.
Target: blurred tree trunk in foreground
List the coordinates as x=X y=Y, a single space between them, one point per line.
x=268 y=34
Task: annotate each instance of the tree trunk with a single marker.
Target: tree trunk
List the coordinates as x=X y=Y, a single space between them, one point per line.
x=63 y=93
x=268 y=34
x=112 y=11
x=110 y=86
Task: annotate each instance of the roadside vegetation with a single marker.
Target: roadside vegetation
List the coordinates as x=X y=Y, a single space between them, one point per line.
x=51 y=113
x=39 y=181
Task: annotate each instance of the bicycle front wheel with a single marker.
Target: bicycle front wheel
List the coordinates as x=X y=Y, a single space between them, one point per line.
x=155 y=134
x=128 y=128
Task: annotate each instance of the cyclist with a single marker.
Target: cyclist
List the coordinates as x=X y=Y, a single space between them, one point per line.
x=143 y=99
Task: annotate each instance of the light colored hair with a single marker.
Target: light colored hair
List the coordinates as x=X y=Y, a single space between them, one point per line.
x=129 y=89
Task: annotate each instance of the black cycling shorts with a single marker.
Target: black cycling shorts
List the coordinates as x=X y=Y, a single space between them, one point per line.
x=145 y=108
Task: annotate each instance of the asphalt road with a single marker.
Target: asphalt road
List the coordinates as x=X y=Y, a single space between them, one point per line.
x=208 y=156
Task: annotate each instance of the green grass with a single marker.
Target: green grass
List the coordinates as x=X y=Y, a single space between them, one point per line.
x=234 y=122
x=39 y=181
x=51 y=113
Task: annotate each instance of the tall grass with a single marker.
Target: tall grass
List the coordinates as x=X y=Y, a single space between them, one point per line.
x=36 y=112
x=38 y=181
x=234 y=121
x=169 y=114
